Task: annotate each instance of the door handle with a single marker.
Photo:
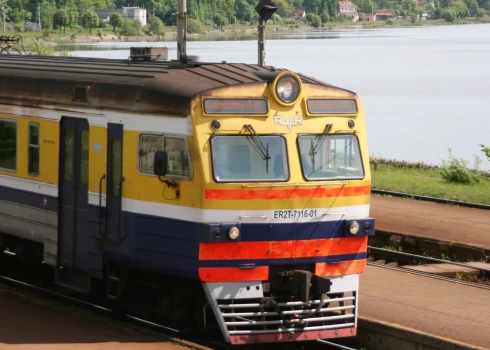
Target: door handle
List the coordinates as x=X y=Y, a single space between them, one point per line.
x=121 y=236
x=101 y=231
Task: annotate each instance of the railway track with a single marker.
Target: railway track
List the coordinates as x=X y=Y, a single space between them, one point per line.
x=416 y=257
x=33 y=281
x=430 y=199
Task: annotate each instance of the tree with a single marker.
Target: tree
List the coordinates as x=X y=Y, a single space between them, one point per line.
x=449 y=15
x=312 y=6
x=61 y=19
x=481 y=13
x=131 y=27
x=485 y=150
x=194 y=26
x=90 y=20
x=324 y=17
x=116 y=21
x=155 y=25
x=219 y=20
x=472 y=6
x=315 y=20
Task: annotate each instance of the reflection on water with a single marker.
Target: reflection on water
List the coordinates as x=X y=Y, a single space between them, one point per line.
x=424 y=89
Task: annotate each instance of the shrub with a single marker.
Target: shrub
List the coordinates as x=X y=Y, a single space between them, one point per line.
x=481 y=13
x=389 y=21
x=456 y=170
x=194 y=26
x=39 y=48
x=449 y=15
x=485 y=150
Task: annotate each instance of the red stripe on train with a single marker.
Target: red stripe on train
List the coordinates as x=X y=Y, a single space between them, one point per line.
x=233 y=274
x=282 y=249
x=340 y=269
x=318 y=192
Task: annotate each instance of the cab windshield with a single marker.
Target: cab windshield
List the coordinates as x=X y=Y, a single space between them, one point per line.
x=330 y=157
x=249 y=158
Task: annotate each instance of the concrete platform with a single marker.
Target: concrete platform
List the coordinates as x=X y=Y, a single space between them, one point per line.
x=455 y=314
x=435 y=221
x=35 y=323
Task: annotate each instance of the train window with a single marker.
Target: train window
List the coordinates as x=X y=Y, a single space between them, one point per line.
x=33 y=149
x=330 y=157
x=116 y=166
x=84 y=148
x=8 y=145
x=179 y=164
x=249 y=158
x=68 y=152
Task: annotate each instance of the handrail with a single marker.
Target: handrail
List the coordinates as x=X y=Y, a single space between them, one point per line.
x=101 y=232
x=121 y=237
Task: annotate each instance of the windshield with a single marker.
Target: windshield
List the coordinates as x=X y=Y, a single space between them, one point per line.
x=330 y=157
x=244 y=158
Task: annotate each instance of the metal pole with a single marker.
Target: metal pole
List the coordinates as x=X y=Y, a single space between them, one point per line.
x=261 y=42
x=3 y=11
x=39 y=15
x=182 y=31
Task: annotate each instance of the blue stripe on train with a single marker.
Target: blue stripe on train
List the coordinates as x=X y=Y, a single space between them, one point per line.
x=30 y=199
x=332 y=259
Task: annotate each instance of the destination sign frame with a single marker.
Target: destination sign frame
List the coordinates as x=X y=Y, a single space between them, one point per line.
x=248 y=106
x=331 y=106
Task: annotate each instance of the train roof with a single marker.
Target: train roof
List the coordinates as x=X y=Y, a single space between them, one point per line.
x=140 y=86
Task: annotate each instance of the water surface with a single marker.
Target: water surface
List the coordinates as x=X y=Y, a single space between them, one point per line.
x=424 y=89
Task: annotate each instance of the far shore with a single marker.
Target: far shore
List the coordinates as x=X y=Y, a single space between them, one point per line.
x=55 y=39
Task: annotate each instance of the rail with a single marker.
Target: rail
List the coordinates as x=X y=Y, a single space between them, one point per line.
x=430 y=199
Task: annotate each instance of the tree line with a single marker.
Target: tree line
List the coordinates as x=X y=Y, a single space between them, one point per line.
x=25 y=15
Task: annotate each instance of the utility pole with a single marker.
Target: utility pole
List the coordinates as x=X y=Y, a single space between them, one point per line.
x=265 y=9
x=39 y=15
x=3 y=11
x=181 y=30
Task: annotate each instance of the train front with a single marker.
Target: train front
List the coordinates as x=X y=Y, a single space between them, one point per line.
x=286 y=197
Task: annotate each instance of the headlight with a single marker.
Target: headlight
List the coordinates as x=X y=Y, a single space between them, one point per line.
x=287 y=89
x=233 y=233
x=354 y=228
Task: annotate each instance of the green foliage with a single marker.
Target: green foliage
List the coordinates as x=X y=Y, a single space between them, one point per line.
x=155 y=26
x=314 y=20
x=100 y=34
x=481 y=13
x=456 y=170
x=90 y=20
x=116 y=21
x=413 y=18
x=219 y=20
x=61 y=19
x=194 y=26
x=449 y=15
x=325 y=17
x=131 y=27
x=486 y=150
x=37 y=47
x=389 y=21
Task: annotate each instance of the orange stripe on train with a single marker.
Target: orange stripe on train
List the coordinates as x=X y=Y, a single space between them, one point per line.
x=318 y=192
x=233 y=274
x=340 y=269
x=282 y=249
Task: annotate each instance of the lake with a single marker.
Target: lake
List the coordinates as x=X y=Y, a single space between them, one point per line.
x=424 y=89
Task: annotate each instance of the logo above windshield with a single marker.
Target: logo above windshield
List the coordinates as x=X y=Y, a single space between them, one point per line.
x=288 y=121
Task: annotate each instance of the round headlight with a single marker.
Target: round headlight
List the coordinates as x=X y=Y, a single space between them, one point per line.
x=367 y=226
x=234 y=233
x=354 y=228
x=287 y=89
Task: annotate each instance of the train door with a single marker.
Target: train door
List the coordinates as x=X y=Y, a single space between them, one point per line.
x=73 y=187
x=115 y=181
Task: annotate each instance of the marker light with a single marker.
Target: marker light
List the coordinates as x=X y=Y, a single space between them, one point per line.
x=233 y=233
x=354 y=228
x=287 y=89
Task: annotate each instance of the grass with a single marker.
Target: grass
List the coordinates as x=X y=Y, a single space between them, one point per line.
x=429 y=182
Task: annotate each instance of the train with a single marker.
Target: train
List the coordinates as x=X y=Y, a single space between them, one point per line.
x=235 y=193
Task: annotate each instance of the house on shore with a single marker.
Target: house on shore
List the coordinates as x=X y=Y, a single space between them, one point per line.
x=348 y=9
x=377 y=16
x=129 y=12
x=298 y=14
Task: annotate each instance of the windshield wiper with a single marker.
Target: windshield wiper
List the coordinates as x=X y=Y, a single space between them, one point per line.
x=314 y=148
x=258 y=145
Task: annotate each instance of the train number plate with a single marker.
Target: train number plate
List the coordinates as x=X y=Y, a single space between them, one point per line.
x=295 y=214
x=266 y=287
